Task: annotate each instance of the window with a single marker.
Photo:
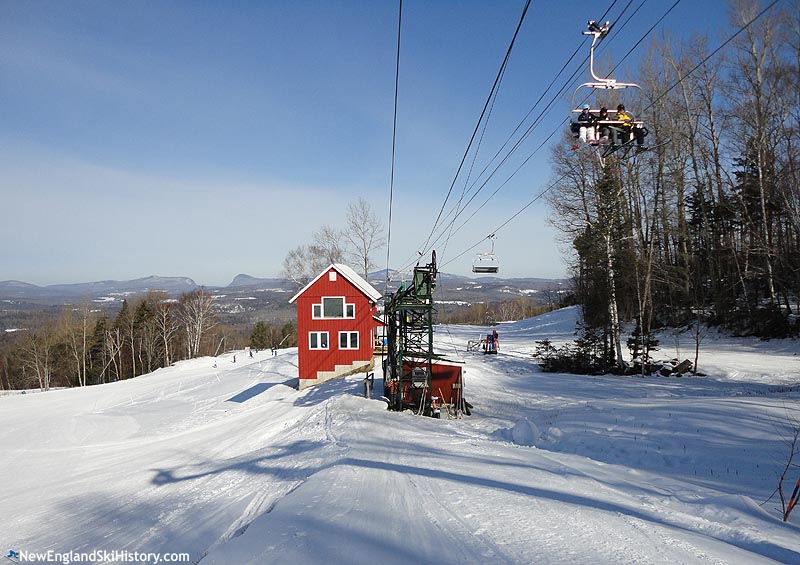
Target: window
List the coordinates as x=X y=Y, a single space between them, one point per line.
x=318 y=340
x=333 y=307
x=348 y=340
x=332 y=276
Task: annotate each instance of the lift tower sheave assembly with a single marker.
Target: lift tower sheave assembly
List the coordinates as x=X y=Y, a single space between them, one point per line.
x=409 y=320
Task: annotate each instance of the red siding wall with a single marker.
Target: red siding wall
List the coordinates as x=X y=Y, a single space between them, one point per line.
x=312 y=360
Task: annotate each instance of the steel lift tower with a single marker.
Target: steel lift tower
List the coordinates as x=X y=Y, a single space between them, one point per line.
x=409 y=330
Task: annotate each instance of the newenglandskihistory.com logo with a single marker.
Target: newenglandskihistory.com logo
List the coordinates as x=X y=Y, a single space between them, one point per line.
x=96 y=556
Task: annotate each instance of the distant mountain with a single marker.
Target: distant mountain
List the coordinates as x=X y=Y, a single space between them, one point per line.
x=16 y=284
x=248 y=299
x=17 y=290
x=243 y=280
x=167 y=284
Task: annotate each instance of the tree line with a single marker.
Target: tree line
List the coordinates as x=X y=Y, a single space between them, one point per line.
x=85 y=347
x=491 y=313
x=704 y=229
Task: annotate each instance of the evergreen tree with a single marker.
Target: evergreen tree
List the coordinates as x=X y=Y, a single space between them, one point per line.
x=259 y=338
x=289 y=335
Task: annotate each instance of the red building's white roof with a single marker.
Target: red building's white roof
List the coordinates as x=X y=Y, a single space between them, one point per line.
x=355 y=279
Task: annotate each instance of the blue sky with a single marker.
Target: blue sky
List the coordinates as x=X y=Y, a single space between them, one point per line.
x=206 y=139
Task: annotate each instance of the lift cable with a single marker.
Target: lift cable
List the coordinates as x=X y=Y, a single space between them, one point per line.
x=428 y=245
x=530 y=129
x=562 y=123
x=394 y=144
x=457 y=206
x=552 y=185
x=467 y=186
x=569 y=81
x=544 y=93
x=458 y=210
x=480 y=119
x=714 y=52
x=509 y=220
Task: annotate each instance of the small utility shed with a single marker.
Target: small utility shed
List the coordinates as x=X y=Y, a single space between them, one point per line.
x=335 y=325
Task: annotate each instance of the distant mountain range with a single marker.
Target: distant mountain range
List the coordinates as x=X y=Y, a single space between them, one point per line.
x=491 y=288
x=16 y=290
x=247 y=299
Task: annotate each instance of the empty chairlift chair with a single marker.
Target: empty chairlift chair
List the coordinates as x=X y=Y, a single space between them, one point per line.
x=486 y=262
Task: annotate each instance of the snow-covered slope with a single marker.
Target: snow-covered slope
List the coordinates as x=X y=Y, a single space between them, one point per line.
x=232 y=465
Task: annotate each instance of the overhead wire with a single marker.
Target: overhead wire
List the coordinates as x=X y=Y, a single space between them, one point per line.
x=676 y=83
x=547 y=89
x=428 y=245
x=493 y=99
x=533 y=126
x=394 y=143
x=509 y=220
x=544 y=93
x=458 y=211
x=541 y=145
x=474 y=159
x=456 y=208
x=483 y=112
x=530 y=129
x=714 y=52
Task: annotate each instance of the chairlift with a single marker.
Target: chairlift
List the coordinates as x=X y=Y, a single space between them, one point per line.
x=486 y=263
x=586 y=94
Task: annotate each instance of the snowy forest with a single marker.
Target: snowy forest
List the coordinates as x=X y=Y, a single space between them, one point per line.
x=84 y=347
x=703 y=229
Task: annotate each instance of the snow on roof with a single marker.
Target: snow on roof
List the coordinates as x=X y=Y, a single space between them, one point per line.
x=348 y=273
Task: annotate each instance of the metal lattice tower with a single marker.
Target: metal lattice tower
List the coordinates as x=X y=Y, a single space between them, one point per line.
x=409 y=330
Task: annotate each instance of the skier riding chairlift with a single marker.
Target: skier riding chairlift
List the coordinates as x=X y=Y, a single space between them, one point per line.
x=622 y=128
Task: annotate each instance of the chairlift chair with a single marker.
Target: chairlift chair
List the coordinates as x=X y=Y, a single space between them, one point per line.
x=486 y=263
x=584 y=93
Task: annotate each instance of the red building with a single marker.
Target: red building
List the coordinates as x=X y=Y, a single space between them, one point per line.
x=335 y=325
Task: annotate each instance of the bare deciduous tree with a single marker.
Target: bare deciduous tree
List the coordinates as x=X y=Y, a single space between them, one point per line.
x=196 y=312
x=38 y=351
x=113 y=345
x=364 y=234
x=327 y=247
x=166 y=326
x=506 y=311
x=305 y=262
x=75 y=334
